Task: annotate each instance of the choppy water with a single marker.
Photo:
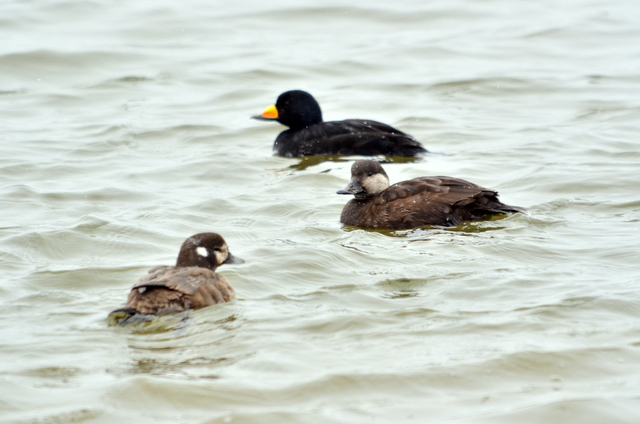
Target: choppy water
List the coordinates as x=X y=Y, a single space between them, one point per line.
x=125 y=129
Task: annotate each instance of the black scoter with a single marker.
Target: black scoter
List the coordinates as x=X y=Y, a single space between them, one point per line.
x=309 y=135
x=443 y=201
x=192 y=283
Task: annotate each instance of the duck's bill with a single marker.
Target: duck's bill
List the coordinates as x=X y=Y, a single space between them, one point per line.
x=353 y=187
x=233 y=260
x=269 y=114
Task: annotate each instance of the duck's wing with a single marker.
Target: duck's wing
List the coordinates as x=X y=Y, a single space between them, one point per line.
x=477 y=199
x=365 y=126
x=169 y=289
x=438 y=201
x=185 y=280
x=351 y=137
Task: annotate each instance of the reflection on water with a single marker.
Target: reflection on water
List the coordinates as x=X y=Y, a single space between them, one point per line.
x=400 y=288
x=482 y=225
x=193 y=368
x=309 y=161
x=150 y=324
x=181 y=346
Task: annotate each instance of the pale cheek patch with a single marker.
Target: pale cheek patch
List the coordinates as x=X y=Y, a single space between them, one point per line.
x=376 y=183
x=202 y=251
x=221 y=256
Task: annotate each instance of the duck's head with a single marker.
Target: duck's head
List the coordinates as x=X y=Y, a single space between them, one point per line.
x=367 y=179
x=296 y=109
x=206 y=250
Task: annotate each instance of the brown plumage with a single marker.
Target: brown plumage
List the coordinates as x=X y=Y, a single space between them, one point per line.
x=192 y=283
x=408 y=204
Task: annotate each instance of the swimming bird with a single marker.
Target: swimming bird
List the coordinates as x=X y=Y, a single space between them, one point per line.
x=192 y=283
x=421 y=201
x=309 y=135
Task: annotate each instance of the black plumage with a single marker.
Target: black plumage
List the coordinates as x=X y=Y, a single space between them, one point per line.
x=309 y=135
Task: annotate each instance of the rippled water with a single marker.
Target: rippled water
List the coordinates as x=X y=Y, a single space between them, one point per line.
x=125 y=129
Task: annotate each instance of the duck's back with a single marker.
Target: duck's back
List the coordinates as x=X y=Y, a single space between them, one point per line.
x=167 y=289
x=348 y=137
x=442 y=201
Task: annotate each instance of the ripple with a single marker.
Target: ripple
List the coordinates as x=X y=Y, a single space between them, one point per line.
x=126 y=130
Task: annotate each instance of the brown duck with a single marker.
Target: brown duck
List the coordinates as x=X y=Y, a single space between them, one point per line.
x=192 y=283
x=408 y=204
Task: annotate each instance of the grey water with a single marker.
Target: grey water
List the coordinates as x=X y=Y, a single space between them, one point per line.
x=124 y=129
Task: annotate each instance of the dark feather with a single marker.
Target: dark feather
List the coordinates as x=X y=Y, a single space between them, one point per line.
x=349 y=137
x=422 y=201
x=168 y=289
x=192 y=283
x=309 y=135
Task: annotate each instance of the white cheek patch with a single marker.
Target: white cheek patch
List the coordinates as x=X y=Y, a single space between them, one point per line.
x=141 y=289
x=202 y=251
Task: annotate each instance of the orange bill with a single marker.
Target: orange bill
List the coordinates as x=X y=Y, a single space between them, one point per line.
x=270 y=113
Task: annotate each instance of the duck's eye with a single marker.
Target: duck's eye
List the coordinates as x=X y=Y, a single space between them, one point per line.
x=370 y=174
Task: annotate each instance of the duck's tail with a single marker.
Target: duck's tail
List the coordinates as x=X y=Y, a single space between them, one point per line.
x=126 y=315
x=510 y=209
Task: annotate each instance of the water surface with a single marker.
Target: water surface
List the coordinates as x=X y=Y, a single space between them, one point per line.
x=125 y=129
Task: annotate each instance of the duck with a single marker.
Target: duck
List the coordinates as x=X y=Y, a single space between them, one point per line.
x=309 y=135
x=192 y=283
x=437 y=201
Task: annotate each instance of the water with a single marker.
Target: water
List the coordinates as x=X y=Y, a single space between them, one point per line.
x=125 y=129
